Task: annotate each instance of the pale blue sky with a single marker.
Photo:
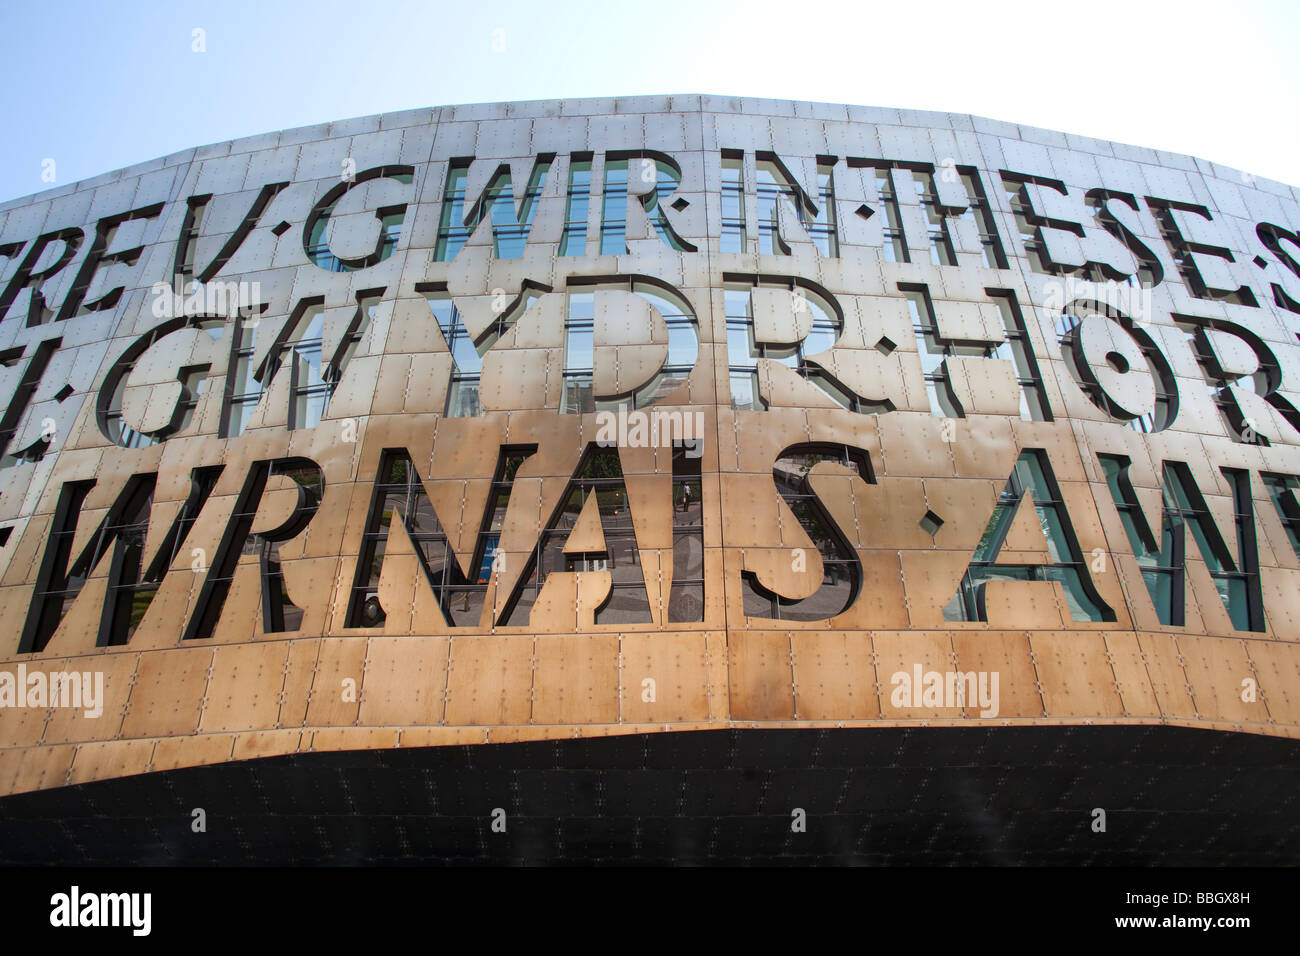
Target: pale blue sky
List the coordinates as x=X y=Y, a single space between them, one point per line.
x=99 y=85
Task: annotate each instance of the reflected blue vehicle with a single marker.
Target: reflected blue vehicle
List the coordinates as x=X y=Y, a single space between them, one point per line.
x=489 y=558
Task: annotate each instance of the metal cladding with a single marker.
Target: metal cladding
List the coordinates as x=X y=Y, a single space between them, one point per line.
x=540 y=420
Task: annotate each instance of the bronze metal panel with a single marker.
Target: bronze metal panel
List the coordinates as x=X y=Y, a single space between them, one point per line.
x=405 y=678
x=761 y=676
x=678 y=667
x=1076 y=677
x=576 y=680
x=69 y=725
x=336 y=684
x=171 y=753
x=897 y=657
x=1218 y=670
x=488 y=680
x=834 y=676
x=1132 y=674
x=353 y=738
x=1275 y=666
x=1010 y=655
x=168 y=693
x=1165 y=664
x=1039 y=604
x=112 y=758
x=266 y=743
x=244 y=687
x=37 y=768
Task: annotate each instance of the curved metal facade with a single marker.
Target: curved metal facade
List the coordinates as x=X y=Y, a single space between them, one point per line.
x=539 y=420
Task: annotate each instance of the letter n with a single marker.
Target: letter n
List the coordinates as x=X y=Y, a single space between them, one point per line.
x=400 y=493
x=1163 y=563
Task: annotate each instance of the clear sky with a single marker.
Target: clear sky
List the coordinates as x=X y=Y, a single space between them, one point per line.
x=95 y=85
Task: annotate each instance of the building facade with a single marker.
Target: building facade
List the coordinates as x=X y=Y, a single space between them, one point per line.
x=531 y=421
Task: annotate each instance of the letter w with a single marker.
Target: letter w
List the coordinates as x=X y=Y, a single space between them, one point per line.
x=131 y=584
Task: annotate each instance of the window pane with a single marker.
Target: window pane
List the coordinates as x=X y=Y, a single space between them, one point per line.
x=1160 y=584
x=463 y=400
x=686 y=603
x=740 y=350
x=818 y=340
x=688 y=556
x=578 y=396
x=580 y=350
x=744 y=391
x=683 y=348
x=311 y=408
